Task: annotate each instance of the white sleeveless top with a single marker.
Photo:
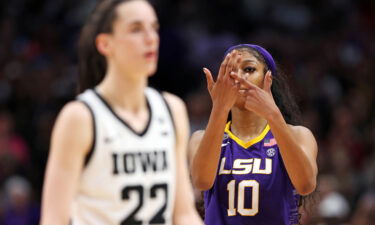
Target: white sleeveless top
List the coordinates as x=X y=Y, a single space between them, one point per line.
x=129 y=177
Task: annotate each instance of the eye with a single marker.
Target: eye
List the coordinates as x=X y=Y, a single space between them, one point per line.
x=136 y=29
x=249 y=69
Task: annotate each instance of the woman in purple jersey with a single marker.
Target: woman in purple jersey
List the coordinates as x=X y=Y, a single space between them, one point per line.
x=255 y=174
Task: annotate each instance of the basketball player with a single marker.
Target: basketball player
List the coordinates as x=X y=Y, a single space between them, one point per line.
x=254 y=168
x=118 y=153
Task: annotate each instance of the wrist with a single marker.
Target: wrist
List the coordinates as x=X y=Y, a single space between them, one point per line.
x=220 y=109
x=219 y=113
x=274 y=116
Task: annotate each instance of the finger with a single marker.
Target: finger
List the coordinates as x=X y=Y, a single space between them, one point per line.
x=231 y=63
x=250 y=102
x=237 y=62
x=210 y=80
x=267 y=82
x=242 y=81
x=235 y=77
x=234 y=63
x=235 y=81
x=223 y=66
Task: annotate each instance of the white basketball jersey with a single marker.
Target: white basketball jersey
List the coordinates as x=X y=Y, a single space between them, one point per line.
x=129 y=177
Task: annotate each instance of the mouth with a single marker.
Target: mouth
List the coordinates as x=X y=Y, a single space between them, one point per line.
x=150 y=55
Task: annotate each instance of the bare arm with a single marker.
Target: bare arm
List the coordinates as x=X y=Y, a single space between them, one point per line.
x=71 y=140
x=299 y=151
x=184 y=211
x=205 y=147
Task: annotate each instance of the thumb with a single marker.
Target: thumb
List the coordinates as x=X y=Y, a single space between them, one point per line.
x=267 y=82
x=210 y=80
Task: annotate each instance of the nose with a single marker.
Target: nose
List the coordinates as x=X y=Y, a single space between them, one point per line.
x=151 y=36
x=243 y=74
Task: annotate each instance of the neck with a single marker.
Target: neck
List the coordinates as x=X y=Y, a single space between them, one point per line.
x=246 y=124
x=124 y=90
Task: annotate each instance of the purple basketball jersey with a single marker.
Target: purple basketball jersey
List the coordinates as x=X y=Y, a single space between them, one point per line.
x=252 y=186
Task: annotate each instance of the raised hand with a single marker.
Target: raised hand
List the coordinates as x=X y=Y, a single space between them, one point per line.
x=258 y=100
x=225 y=90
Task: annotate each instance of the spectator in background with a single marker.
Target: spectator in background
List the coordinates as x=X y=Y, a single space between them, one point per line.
x=333 y=208
x=19 y=207
x=365 y=212
x=14 y=153
x=198 y=105
x=11 y=143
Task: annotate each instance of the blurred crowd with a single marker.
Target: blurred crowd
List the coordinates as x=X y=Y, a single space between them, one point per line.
x=327 y=47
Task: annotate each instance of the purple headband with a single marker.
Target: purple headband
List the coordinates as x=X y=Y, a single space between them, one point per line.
x=266 y=55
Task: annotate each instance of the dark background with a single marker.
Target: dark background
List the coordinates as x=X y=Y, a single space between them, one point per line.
x=327 y=47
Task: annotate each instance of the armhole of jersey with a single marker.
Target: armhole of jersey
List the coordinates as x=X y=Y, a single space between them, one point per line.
x=91 y=151
x=170 y=114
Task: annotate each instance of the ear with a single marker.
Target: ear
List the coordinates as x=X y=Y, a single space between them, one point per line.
x=103 y=44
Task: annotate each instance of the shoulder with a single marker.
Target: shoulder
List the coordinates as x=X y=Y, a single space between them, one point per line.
x=177 y=108
x=194 y=142
x=175 y=103
x=304 y=135
x=74 y=126
x=196 y=137
x=75 y=112
x=301 y=130
x=179 y=115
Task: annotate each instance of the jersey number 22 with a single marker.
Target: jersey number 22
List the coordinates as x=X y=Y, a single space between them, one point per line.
x=158 y=218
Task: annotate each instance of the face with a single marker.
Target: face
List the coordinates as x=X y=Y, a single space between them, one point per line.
x=252 y=70
x=133 y=45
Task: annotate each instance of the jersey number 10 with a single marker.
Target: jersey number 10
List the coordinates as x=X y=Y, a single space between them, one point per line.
x=231 y=187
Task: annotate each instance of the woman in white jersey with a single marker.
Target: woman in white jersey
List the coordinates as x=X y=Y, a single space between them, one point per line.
x=116 y=155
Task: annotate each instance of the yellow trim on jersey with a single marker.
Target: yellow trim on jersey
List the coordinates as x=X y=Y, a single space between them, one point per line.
x=249 y=143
